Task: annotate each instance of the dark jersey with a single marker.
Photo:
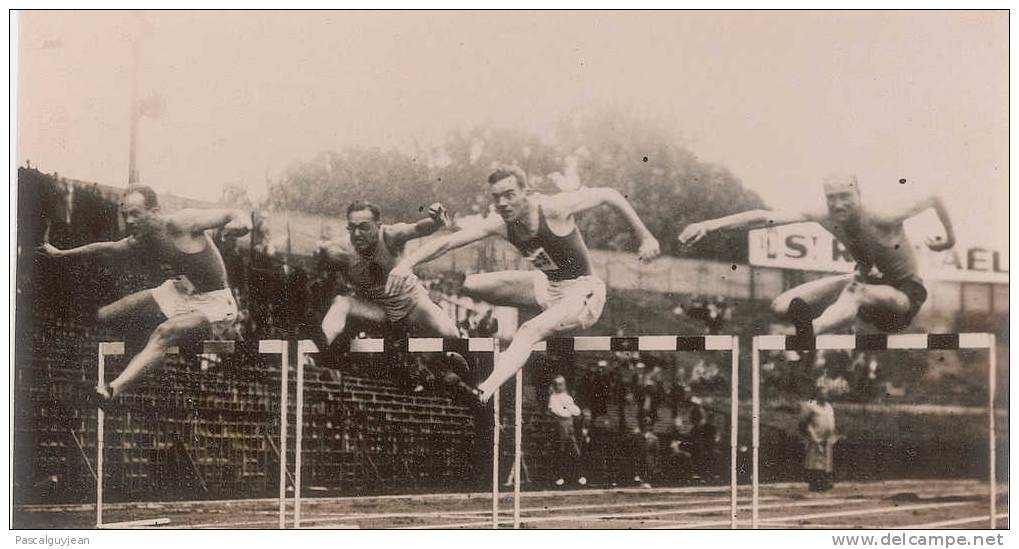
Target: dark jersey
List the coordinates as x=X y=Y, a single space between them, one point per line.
x=204 y=268
x=559 y=257
x=881 y=245
x=368 y=274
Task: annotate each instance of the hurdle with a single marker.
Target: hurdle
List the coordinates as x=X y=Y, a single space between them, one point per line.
x=440 y=345
x=868 y=342
x=271 y=346
x=665 y=343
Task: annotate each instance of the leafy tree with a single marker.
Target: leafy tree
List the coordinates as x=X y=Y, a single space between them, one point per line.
x=667 y=184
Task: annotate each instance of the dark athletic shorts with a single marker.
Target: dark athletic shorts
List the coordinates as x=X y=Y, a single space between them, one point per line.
x=888 y=321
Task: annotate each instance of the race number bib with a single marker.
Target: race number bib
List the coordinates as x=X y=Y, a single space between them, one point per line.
x=542 y=260
x=184 y=285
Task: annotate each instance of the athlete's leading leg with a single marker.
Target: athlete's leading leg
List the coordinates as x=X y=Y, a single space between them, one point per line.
x=130 y=309
x=856 y=295
x=559 y=318
x=816 y=293
x=335 y=320
x=506 y=288
x=174 y=331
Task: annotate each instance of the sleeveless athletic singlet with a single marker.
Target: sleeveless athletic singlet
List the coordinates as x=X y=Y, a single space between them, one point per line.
x=204 y=269
x=368 y=274
x=559 y=257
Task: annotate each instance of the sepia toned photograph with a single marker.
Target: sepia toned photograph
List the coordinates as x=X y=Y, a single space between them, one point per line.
x=365 y=270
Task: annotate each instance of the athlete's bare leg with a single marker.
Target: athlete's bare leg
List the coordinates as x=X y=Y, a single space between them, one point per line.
x=556 y=319
x=174 y=331
x=344 y=307
x=130 y=309
x=429 y=320
x=505 y=288
x=856 y=295
x=815 y=293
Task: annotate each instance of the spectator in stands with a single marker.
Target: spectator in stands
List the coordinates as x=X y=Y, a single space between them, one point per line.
x=648 y=392
x=817 y=426
x=488 y=326
x=567 y=458
x=645 y=453
x=712 y=312
x=705 y=449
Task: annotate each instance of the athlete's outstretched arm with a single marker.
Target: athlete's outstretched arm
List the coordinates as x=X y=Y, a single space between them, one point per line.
x=233 y=222
x=746 y=220
x=934 y=201
x=403 y=272
x=400 y=233
x=573 y=202
x=104 y=250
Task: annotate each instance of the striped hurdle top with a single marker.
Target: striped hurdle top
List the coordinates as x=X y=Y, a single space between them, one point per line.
x=225 y=347
x=874 y=342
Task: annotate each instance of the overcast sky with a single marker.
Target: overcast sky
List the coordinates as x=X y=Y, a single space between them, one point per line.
x=779 y=98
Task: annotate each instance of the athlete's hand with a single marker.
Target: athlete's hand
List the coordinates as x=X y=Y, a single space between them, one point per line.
x=649 y=249
x=939 y=243
x=693 y=233
x=438 y=214
x=399 y=279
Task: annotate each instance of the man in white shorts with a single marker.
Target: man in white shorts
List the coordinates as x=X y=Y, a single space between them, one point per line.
x=544 y=230
x=194 y=303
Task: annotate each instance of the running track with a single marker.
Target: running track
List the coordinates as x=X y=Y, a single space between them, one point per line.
x=890 y=504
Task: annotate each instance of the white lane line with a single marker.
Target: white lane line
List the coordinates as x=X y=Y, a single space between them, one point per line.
x=703 y=510
x=857 y=496
x=796 y=525
x=835 y=514
x=487 y=496
x=953 y=522
x=479 y=513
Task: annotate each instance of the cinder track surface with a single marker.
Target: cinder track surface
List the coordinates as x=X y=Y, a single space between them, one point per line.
x=889 y=504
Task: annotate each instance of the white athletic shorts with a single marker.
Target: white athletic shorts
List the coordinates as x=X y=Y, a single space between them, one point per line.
x=398 y=306
x=584 y=295
x=218 y=306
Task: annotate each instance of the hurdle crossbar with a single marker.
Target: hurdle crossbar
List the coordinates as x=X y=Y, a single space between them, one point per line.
x=667 y=343
x=869 y=342
x=440 y=345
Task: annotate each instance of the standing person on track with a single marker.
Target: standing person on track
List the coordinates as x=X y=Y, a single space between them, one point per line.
x=544 y=230
x=886 y=289
x=365 y=262
x=194 y=303
x=817 y=427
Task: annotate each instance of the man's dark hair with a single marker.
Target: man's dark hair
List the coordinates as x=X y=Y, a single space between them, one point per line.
x=502 y=172
x=361 y=205
x=151 y=199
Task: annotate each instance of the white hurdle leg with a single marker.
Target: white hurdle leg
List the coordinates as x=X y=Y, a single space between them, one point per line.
x=518 y=412
x=105 y=348
x=734 y=431
x=304 y=347
x=992 y=440
x=496 y=430
x=277 y=346
x=755 y=427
